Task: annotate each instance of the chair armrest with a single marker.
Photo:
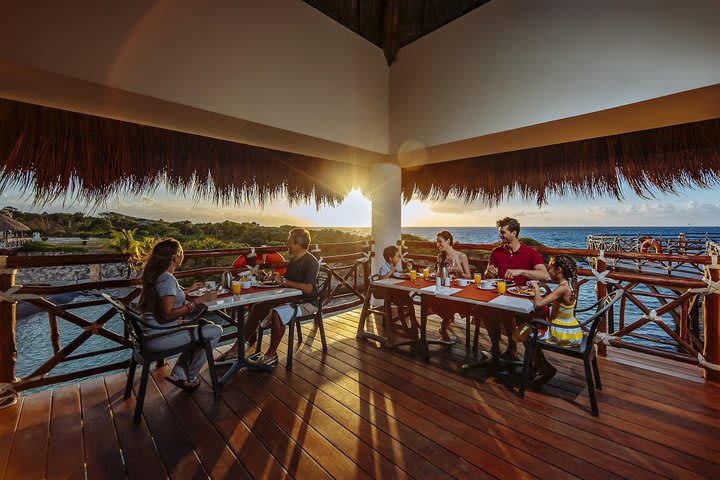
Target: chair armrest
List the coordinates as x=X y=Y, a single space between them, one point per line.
x=194 y=321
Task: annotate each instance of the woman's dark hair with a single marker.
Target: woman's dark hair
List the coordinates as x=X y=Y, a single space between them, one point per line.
x=568 y=267
x=155 y=264
x=390 y=252
x=300 y=236
x=445 y=235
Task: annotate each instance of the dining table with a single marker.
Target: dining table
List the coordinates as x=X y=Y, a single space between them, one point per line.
x=235 y=305
x=468 y=296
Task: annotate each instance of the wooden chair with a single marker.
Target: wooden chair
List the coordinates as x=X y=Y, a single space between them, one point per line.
x=134 y=325
x=585 y=351
x=404 y=310
x=323 y=287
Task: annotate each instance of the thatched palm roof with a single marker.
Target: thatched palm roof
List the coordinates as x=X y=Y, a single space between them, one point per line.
x=665 y=159
x=12 y=225
x=51 y=152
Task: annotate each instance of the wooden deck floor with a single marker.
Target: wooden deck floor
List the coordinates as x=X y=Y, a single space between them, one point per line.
x=365 y=412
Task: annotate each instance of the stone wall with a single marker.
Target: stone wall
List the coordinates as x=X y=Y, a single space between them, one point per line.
x=72 y=273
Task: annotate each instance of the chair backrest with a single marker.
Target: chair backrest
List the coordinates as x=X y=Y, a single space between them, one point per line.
x=132 y=320
x=379 y=293
x=601 y=313
x=323 y=284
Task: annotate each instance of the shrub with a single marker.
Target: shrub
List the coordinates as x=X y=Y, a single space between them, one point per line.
x=35 y=246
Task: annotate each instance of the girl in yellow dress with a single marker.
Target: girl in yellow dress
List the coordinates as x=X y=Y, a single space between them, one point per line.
x=563 y=271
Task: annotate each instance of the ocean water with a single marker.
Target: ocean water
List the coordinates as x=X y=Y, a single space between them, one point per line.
x=560 y=237
x=34 y=344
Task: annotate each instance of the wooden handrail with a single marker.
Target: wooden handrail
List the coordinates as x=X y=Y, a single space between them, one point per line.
x=32 y=261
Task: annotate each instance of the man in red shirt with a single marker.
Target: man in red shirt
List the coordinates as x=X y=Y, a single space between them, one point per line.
x=516 y=262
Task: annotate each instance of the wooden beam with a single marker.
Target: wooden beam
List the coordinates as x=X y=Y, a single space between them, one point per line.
x=391 y=23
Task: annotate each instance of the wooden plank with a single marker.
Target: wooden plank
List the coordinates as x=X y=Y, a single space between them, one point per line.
x=269 y=390
x=258 y=461
x=8 y=424
x=383 y=413
x=535 y=411
x=28 y=454
x=413 y=452
x=653 y=435
x=219 y=461
x=102 y=450
x=66 y=455
x=288 y=452
x=142 y=460
x=516 y=451
x=175 y=449
x=333 y=460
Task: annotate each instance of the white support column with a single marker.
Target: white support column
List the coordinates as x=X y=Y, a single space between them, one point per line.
x=386 y=197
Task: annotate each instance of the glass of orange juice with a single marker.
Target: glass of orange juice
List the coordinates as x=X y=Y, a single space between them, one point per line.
x=501 y=286
x=478 y=278
x=413 y=274
x=426 y=273
x=236 y=287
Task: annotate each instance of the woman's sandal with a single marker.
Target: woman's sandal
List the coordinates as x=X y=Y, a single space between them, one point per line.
x=265 y=361
x=228 y=356
x=184 y=384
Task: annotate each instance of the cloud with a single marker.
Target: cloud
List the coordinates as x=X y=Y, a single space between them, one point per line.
x=149 y=202
x=534 y=213
x=602 y=211
x=456 y=206
x=710 y=208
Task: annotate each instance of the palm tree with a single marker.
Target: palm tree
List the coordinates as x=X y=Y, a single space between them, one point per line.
x=124 y=242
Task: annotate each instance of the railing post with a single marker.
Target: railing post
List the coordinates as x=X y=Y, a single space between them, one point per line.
x=711 y=326
x=601 y=293
x=8 y=346
x=54 y=332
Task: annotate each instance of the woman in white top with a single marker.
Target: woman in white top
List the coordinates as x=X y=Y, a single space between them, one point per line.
x=458 y=266
x=163 y=303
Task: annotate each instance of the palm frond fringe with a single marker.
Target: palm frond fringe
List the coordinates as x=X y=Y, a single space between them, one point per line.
x=665 y=159
x=49 y=152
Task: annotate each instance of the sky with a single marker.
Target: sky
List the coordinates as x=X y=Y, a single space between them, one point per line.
x=688 y=207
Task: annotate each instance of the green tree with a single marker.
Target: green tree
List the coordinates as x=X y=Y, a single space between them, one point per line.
x=124 y=241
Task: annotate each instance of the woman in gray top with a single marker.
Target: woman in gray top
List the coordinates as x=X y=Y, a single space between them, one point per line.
x=163 y=303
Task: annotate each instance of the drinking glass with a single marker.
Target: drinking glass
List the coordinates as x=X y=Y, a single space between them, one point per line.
x=413 y=275
x=426 y=273
x=478 y=278
x=501 y=286
x=236 y=287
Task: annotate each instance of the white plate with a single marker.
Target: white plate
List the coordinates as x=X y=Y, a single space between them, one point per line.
x=202 y=291
x=514 y=291
x=489 y=287
x=401 y=275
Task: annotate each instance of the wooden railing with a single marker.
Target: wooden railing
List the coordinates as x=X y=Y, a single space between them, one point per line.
x=685 y=310
x=349 y=271
x=680 y=245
